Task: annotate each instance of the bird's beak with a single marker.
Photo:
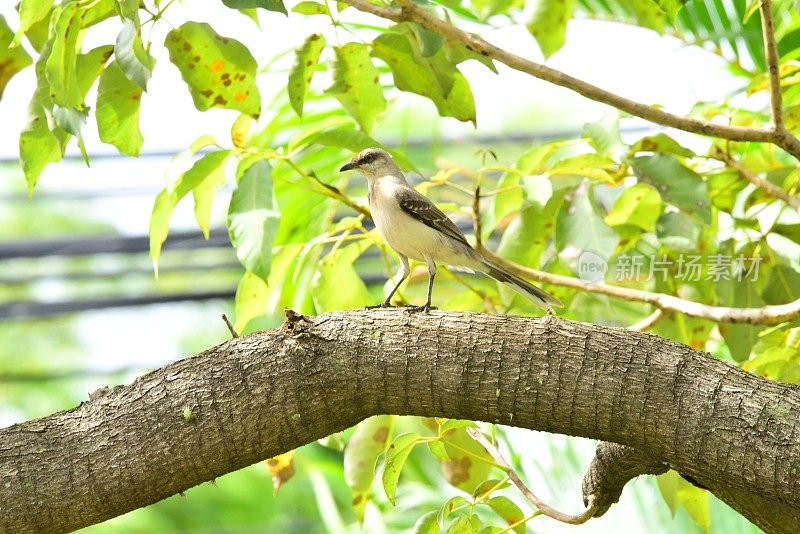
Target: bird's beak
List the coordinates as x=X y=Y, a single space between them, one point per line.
x=348 y=166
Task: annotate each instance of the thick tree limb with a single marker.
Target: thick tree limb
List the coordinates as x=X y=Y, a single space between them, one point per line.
x=412 y=13
x=615 y=465
x=260 y=395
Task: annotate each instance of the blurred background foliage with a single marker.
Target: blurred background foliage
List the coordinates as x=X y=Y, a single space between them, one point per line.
x=273 y=225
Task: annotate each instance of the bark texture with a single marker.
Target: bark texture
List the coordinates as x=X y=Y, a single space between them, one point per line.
x=263 y=394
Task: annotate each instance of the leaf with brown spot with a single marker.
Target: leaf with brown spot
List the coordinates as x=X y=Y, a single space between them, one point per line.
x=269 y=5
x=306 y=59
x=396 y=457
x=360 y=456
x=355 y=84
x=12 y=60
x=463 y=470
x=203 y=66
x=281 y=468
x=509 y=511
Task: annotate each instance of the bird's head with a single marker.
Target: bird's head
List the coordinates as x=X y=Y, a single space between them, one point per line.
x=373 y=163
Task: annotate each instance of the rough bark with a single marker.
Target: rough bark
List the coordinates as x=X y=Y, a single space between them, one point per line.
x=263 y=394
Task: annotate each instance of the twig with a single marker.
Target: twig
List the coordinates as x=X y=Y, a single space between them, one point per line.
x=648 y=322
x=770 y=188
x=476 y=215
x=543 y=507
x=771 y=314
x=230 y=326
x=771 y=53
x=411 y=12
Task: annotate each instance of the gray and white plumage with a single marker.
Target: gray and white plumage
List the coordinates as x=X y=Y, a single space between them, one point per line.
x=415 y=228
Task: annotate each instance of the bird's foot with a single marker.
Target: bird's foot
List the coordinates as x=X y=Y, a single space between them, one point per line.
x=384 y=304
x=425 y=309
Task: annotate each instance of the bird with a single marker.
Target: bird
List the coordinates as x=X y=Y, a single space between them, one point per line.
x=416 y=229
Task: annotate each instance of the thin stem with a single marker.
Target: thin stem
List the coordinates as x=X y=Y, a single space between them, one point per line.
x=543 y=507
x=770 y=188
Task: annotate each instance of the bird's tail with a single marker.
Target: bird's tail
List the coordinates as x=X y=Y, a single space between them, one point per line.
x=523 y=287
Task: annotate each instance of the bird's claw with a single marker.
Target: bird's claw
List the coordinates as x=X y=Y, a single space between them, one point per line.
x=381 y=305
x=425 y=308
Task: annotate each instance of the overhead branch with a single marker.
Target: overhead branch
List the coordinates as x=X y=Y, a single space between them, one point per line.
x=411 y=12
x=260 y=395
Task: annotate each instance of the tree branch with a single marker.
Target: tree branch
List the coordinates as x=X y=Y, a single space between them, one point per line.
x=767 y=186
x=257 y=396
x=770 y=314
x=771 y=54
x=413 y=13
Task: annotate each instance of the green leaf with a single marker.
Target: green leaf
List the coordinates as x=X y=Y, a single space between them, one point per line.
x=396 y=456
x=462 y=525
x=131 y=57
x=451 y=505
x=367 y=443
x=647 y=14
x=696 y=503
x=63 y=54
x=668 y=486
x=677 y=184
x=305 y=63
x=723 y=187
x=335 y=272
x=89 y=66
x=127 y=9
x=438 y=449
x=427 y=524
x=426 y=76
x=307 y=7
x=678 y=231
x=269 y=5
x=450 y=424
x=604 y=134
x=528 y=235
x=209 y=165
x=639 y=206
x=509 y=511
x=594 y=166
x=220 y=71
x=12 y=59
x=783 y=285
x=253 y=218
x=30 y=12
x=72 y=120
x=660 y=142
x=580 y=228
x=356 y=84
x=752 y=8
x=38 y=145
x=740 y=338
x=548 y=24
x=487 y=486
x=118 y=101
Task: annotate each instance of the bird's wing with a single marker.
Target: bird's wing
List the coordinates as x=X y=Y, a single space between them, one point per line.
x=420 y=208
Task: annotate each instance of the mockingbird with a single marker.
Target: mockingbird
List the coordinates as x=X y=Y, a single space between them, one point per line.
x=414 y=228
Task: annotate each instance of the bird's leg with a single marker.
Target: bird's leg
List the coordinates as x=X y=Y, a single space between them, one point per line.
x=431 y=275
x=402 y=274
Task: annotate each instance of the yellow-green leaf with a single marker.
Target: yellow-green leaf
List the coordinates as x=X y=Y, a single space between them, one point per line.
x=548 y=24
x=135 y=62
x=118 y=101
x=335 y=272
x=30 y=12
x=220 y=71
x=305 y=63
x=396 y=457
x=60 y=67
x=465 y=471
x=509 y=511
x=367 y=443
x=12 y=59
x=269 y=5
x=639 y=205
x=356 y=84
